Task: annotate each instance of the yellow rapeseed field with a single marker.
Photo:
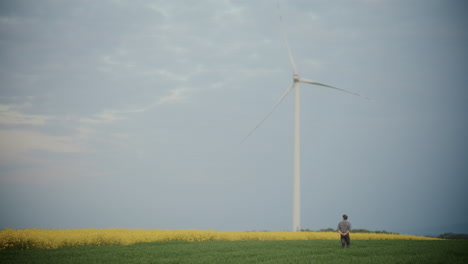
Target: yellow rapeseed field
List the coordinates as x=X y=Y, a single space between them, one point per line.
x=58 y=238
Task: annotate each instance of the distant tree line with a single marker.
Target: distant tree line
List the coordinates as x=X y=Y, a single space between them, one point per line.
x=359 y=230
x=453 y=236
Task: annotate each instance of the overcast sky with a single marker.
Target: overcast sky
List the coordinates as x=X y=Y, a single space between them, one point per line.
x=130 y=114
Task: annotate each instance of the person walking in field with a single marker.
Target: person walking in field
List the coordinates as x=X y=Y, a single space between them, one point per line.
x=344 y=227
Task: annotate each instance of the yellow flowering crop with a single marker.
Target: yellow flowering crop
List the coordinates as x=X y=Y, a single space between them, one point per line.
x=57 y=238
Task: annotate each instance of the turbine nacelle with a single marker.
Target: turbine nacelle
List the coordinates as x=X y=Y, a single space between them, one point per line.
x=296 y=77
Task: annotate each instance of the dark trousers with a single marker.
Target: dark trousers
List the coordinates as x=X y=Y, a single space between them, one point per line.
x=345 y=240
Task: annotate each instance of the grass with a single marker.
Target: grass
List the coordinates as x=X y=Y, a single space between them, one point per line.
x=312 y=251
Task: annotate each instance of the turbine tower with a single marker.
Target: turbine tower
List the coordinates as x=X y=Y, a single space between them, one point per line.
x=297 y=79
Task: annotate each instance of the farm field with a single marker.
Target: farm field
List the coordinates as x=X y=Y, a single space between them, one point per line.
x=294 y=251
x=58 y=238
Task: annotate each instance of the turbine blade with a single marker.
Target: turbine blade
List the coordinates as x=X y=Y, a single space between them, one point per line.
x=271 y=112
x=285 y=36
x=329 y=86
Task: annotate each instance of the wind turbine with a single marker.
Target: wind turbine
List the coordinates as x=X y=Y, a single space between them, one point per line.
x=297 y=79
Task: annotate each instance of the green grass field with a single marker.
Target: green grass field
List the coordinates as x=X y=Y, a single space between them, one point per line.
x=315 y=251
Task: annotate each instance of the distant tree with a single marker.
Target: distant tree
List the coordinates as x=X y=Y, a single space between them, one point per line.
x=361 y=230
x=321 y=230
x=453 y=236
x=327 y=230
x=358 y=230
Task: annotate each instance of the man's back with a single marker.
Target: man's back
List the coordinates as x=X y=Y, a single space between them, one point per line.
x=344 y=226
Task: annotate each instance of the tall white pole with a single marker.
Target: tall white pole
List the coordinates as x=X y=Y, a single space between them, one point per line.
x=297 y=161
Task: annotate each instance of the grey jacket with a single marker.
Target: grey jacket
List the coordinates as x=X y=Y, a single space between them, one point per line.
x=344 y=226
